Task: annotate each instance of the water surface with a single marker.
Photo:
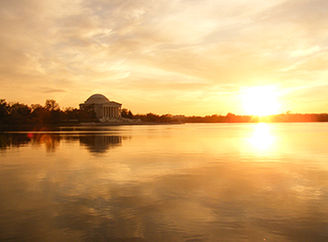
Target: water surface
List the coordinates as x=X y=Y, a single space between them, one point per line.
x=192 y=182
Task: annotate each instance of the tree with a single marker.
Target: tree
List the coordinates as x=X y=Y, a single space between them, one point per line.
x=125 y=113
x=19 y=113
x=51 y=105
x=3 y=110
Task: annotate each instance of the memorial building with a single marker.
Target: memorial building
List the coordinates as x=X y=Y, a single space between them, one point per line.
x=104 y=109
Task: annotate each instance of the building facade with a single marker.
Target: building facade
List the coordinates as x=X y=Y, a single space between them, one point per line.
x=104 y=109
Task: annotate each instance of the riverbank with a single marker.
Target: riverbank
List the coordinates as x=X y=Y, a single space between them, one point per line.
x=74 y=126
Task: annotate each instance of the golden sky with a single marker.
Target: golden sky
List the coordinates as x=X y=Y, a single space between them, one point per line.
x=162 y=56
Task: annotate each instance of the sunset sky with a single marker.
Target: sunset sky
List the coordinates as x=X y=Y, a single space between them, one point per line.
x=179 y=57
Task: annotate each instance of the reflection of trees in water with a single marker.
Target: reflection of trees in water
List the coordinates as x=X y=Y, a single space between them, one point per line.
x=51 y=142
x=94 y=143
x=100 y=143
x=17 y=140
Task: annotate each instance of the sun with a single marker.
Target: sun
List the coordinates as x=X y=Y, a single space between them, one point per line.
x=260 y=100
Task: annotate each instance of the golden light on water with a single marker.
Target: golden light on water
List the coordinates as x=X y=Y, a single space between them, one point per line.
x=260 y=101
x=262 y=138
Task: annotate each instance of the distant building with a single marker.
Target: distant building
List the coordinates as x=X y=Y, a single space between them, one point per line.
x=104 y=109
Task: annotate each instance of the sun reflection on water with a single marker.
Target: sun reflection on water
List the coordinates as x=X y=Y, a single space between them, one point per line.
x=262 y=139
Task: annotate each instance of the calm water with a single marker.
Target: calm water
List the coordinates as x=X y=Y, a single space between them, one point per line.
x=193 y=182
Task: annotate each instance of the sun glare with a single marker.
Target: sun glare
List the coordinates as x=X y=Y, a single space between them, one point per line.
x=262 y=139
x=260 y=101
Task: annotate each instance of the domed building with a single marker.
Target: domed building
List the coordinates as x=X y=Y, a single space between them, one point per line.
x=104 y=109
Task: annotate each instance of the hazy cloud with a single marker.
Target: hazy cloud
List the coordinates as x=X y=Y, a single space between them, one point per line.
x=52 y=90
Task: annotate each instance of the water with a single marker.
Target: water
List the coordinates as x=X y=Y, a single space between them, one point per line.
x=193 y=182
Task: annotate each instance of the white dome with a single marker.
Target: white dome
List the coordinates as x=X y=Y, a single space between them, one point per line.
x=97 y=99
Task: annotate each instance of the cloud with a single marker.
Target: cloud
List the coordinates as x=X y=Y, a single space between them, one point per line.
x=51 y=90
x=122 y=47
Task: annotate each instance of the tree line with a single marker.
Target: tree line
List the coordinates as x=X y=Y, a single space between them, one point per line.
x=21 y=115
x=229 y=118
x=18 y=114
x=149 y=117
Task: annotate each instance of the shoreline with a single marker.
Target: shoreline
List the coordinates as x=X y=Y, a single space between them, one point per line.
x=74 y=126
x=96 y=126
